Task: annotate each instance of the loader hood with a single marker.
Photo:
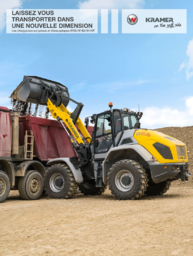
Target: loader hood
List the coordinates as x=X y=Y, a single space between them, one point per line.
x=164 y=148
x=38 y=90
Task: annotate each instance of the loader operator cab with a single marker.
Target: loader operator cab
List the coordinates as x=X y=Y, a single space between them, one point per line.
x=110 y=126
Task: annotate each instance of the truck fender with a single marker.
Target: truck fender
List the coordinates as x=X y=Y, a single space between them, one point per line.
x=9 y=169
x=76 y=172
x=29 y=165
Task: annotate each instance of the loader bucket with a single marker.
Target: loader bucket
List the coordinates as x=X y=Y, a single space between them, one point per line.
x=38 y=90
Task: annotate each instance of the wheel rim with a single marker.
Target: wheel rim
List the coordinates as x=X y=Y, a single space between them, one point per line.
x=56 y=182
x=34 y=185
x=124 y=180
x=2 y=186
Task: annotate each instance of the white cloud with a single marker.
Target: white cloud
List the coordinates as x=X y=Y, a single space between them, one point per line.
x=154 y=117
x=189 y=105
x=189 y=64
x=182 y=66
x=111 y=4
x=113 y=87
x=7 y=4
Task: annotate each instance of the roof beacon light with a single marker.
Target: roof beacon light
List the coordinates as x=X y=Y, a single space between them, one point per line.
x=110 y=104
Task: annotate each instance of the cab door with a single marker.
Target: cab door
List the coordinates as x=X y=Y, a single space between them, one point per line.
x=103 y=138
x=103 y=135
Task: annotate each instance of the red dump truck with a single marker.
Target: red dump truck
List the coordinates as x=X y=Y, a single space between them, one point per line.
x=27 y=143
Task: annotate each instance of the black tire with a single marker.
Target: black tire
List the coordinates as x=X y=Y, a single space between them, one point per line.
x=59 y=182
x=154 y=189
x=31 y=186
x=4 y=186
x=127 y=180
x=89 y=188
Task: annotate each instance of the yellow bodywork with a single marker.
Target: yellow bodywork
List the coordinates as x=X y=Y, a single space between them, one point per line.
x=64 y=114
x=147 y=138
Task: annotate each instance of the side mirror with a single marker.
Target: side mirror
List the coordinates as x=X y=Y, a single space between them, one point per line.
x=93 y=119
x=86 y=121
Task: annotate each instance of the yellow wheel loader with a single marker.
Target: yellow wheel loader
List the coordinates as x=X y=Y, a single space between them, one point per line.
x=130 y=160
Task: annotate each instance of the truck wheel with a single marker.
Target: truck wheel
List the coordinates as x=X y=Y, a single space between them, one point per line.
x=154 y=189
x=31 y=186
x=127 y=179
x=89 y=188
x=4 y=186
x=59 y=182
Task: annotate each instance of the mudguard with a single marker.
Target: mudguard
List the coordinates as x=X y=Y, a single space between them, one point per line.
x=76 y=171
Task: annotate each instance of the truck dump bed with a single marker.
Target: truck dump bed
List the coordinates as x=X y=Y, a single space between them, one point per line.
x=50 y=138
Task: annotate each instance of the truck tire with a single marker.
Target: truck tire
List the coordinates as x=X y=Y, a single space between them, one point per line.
x=154 y=189
x=31 y=185
x=127 y=180
x=4 y=186
x=89 y=188
x=59 y=182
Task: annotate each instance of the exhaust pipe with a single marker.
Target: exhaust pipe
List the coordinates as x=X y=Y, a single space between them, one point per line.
x=38 y=90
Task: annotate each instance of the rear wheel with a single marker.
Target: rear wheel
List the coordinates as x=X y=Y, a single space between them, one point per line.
x=154 y=189
x=89 y=188
x=127 y=179
x=4 y=186
x=31 y=186
x=59 y=182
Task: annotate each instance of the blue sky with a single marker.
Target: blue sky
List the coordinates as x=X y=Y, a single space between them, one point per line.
x=152 y=70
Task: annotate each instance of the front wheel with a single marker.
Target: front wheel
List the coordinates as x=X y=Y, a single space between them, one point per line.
x=4 y=186
x=127 y=179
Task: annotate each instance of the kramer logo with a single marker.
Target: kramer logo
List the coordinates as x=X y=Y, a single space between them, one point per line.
x=72 y=129
x=132 y=19
x=159 y=20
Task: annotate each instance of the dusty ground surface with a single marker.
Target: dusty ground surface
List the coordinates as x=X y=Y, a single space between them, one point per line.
x=101 y=225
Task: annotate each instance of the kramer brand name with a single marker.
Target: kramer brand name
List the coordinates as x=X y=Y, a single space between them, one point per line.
x=72 y=129
x=159 y=20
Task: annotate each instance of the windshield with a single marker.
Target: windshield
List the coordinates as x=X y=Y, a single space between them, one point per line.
x=129 y=121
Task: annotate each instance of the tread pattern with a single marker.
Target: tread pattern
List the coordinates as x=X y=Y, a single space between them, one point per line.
x=142 y=181
x=21 y=186
x=71 y=183
x=158 y=189
x=23 y=189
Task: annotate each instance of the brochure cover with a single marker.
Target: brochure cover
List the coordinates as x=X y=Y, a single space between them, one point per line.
x=96 y=127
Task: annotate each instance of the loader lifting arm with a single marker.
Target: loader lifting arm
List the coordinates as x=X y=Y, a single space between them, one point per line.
x=56 y=97
x=63 y=114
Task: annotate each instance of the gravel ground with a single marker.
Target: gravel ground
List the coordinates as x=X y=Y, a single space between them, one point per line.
x=102 y=225
x=99 y=225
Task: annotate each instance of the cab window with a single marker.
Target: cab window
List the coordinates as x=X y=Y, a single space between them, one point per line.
x=129 y=121
x=103 y=135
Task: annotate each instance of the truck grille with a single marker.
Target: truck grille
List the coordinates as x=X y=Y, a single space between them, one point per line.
x=181 y=152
